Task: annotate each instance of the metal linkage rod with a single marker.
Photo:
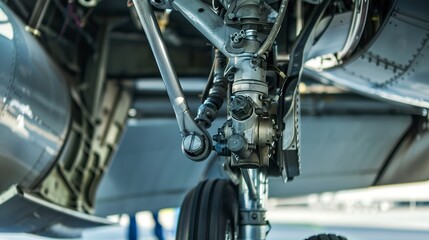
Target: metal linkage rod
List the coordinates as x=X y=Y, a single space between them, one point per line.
x=252 y=189
x=37 y=16
x=196 y=143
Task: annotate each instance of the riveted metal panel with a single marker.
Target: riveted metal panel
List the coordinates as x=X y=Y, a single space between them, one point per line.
x=394 y=65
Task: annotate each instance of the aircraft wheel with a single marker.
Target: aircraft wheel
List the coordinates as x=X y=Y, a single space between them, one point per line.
x=209 y=211
x=326 y=237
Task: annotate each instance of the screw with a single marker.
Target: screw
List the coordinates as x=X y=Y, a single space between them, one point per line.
x=193 y=144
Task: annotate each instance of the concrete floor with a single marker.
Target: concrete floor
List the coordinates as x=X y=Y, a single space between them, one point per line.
x=299 y=223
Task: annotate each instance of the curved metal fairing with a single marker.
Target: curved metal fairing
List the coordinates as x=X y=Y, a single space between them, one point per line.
x=394 y=65
x=34 y=106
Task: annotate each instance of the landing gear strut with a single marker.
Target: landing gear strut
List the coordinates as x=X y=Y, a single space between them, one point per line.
x=261 y=134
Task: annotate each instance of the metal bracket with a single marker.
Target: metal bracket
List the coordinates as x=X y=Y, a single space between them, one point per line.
x=206 y=21
x=300 y=48
x=288 y=146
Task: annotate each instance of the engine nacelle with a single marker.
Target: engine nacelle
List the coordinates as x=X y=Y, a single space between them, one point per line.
x=35 y=106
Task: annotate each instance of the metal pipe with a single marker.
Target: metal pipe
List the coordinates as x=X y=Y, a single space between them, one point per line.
x=196 y=142
x=153 y=34
x=37 y=16
x=208 y=110
x=275 y=30
x=209 y=84
x=252 y=189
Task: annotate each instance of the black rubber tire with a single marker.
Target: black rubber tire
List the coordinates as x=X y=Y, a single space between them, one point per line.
x=326 y=237
x=208 y=211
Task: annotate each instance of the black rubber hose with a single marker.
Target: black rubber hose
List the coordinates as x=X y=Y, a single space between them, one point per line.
x=208 y=110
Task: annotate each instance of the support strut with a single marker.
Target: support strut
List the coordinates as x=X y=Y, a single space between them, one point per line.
x=253 y=224
x=196 y=142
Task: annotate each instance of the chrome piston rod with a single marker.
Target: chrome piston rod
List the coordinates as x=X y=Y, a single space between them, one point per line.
x=196 y=143
x=253 y=225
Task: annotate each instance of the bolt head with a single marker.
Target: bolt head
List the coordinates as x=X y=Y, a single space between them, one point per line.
x=241 y=107
x=193 y=144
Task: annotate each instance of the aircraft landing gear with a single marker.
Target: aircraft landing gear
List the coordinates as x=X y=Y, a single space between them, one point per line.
x=260 y=137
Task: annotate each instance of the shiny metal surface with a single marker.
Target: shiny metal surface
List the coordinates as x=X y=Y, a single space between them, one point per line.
x=186 y=123
x=260 y=182
x=22 y=211
x=252 y=210
x=356 y=29
x=206 y=21
x=253 y=232
x=250 y=186
x=399 y=75
x=34 y=106
x=332 y=34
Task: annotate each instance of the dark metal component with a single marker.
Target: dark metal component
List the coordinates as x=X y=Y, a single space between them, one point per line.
x=288 y=159
x=96 y=69
x=24 y=212
x=209 y=84
x=288 y=156
x=238 y=145
x=241 y=107
x=222 y=149
x=221 y=146
x=206 y=115
x=313 y=1
x=161 y=4
x=300 y=48
x=37 y=16
x=186 y=123
x=208 y=110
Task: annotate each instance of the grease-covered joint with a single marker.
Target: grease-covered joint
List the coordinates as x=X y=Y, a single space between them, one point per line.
x=207 y=112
